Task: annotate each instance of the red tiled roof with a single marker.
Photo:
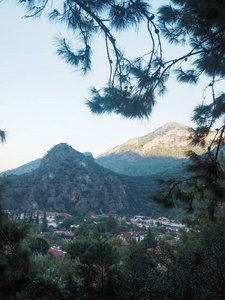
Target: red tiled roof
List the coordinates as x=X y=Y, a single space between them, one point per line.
x=56 y=252
x=137 y=232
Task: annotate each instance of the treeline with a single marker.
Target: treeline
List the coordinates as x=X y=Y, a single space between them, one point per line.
x=98 y=266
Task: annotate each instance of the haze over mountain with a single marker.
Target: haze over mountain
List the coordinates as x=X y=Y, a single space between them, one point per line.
x=159 y=151
x=70 y=181
x=24 y=168
x=153 y=153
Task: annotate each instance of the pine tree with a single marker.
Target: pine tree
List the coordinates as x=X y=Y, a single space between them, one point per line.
x=98 y=265
x=2 y=136
x=149 y=241
x=111 y=223
x=202 y=192
x=15 y=257
x=138 y=269
x=134 y=84
x=37 y=218
x=196 y=269
x=45 y=223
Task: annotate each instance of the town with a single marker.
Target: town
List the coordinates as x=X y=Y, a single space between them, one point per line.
x=137 y=228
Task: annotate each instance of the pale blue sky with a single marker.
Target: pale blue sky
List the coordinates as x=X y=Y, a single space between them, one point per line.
x=42 y=98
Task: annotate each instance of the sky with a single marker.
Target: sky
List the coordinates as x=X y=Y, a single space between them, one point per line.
x=43 y=98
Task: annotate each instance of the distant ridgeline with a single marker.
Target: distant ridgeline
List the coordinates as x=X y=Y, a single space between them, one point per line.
x=156 y=152
x=159 y=151
x=24 y=168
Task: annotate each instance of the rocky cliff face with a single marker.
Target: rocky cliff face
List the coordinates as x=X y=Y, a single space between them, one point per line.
x=70 y=181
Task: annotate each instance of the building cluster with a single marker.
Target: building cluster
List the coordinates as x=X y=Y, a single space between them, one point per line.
x=66 y=235
x=144 y=223
x=54 y=219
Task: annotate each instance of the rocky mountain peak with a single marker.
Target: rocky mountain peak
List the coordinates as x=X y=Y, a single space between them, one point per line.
x=61 y=153
x=60 y=150
x=171 y=125
x=67 y=180
x=155 y=152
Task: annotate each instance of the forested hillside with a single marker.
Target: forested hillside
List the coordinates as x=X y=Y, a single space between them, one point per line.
x=69 y=181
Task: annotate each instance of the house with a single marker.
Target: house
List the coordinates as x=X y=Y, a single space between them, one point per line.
x=138 y=236
x=56 y=252
x=174 y=226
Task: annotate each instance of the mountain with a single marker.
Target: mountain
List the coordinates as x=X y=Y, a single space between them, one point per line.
x=30 y=167
x=153 y=153
x=160 y=151
x=24 y=168
x=69 y=181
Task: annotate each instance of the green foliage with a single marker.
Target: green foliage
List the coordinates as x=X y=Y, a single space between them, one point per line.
x=116 y=241
x=98 y=259
x=189 y=76
x=67 y=223
x=43 y=289
x=190 y=238
x=15 y=257
x=81 y=249
x=149 y=241
x=39 y=245
x=137 y=269
x=134 y=84
x=2 y=136
x=202 y=191
x=222 y=160
x=197 y=269
x=123 y=102
x=157 y=230
x=45 y=223
x=111 y=224
x=201 y=24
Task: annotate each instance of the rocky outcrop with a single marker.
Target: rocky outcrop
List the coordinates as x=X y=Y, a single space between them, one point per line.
x=69 y=181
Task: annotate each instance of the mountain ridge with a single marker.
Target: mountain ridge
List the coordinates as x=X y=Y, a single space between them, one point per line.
x=153 y=153
x=68 y=181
